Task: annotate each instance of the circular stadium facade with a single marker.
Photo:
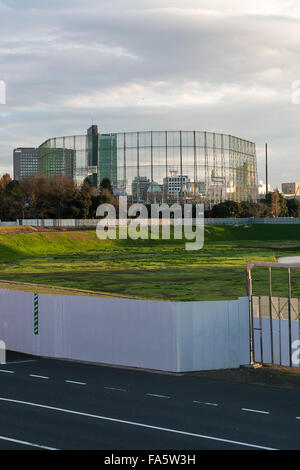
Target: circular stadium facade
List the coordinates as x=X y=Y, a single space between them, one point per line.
x=163 y=166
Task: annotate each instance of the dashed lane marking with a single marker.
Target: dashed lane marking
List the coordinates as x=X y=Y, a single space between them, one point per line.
x=256 y=411
x=157 y=396
x=115 y=389
x=140 y=425
x=75 y=383
x=205 y=403
x=39 y=376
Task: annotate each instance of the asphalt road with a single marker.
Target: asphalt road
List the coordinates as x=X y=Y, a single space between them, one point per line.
x=55 y=404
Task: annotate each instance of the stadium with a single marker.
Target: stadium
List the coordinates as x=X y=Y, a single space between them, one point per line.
x=163 y=166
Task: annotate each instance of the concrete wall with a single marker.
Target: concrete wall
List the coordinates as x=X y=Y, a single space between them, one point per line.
x=165 y=336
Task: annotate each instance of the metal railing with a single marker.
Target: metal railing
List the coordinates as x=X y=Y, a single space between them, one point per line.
x=274 y=321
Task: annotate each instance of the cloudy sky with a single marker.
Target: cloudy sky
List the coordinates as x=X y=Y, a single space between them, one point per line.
x=217 y=65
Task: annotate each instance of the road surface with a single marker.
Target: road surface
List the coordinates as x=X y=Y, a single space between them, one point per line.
x=52 y=404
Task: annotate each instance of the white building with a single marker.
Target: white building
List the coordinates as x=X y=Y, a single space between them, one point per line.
x=176 y=184
x=262 y=187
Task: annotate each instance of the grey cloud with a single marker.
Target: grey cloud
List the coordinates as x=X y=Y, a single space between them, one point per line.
x=54 y=53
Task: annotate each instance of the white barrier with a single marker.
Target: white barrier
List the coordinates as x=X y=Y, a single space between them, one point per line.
x=93 y=222
x=213 y=335
x=253 y=221
x=280 y=342
x=166 y=336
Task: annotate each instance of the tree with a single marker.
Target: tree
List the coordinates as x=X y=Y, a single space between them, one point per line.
x=276 y=205
x=63 y=198
x=293 y=206
x=226 y=209
x=35 y=196
x=85 y=192
x=106 y=185
x=11 y=203
x=40 y=197
x=4 y=180
x=251 y=209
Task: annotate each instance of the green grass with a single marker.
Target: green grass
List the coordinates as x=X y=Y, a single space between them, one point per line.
x=152 y=269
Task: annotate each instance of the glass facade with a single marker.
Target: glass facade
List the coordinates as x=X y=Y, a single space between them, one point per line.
x=166 y=166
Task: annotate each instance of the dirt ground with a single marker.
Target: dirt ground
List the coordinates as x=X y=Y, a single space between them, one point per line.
x=269 y=376
x=31 y=229
x=43 y=289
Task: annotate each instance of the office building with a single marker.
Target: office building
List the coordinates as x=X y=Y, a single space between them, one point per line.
x=25 y=162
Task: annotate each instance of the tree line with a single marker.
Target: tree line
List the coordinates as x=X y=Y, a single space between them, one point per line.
x=275 y=205
x=38 y=197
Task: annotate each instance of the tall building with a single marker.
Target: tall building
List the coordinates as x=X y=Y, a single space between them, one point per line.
x=139 y=188
x=291 y=189
x=58 y=161
x=92 y=155
x=25 y=162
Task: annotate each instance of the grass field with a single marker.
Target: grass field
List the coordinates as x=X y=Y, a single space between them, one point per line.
x=160 y=270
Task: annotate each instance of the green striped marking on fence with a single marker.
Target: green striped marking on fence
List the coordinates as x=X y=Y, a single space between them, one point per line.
x=36 y=314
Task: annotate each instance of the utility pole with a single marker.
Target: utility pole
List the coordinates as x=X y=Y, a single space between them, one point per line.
x=267 y=171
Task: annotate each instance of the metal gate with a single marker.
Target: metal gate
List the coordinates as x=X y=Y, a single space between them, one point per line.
x=274 y=322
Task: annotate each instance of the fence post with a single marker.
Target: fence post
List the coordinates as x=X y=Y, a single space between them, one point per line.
x=289 y=315
x=251 y=338
x=270 y=313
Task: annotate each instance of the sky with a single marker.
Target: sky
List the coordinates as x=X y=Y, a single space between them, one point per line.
x=226 y=66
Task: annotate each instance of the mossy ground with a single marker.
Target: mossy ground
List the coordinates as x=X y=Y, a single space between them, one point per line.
x=152 y=269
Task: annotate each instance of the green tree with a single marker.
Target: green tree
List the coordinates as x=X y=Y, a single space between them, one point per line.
x=226 y=209
x=293 y=206
x=251 y=209
x=85 y=199
x=106 y=185
x=276 y=205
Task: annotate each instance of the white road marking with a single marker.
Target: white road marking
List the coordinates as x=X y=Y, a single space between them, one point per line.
x=116 y=389
x=156 y=396
x=25 y=443
x=76 y=383
x=205 y=403
x=39 y=376
x=256 y=411
x=140 y=425
x=7 y=371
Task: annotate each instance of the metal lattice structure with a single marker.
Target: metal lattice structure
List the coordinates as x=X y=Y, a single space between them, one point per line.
x=274 y=321
x=159 y=166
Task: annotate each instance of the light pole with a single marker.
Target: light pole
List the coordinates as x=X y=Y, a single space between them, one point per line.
x=267 y=171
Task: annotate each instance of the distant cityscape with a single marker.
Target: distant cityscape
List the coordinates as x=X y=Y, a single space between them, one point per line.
x=154 y=166
x=161 y=166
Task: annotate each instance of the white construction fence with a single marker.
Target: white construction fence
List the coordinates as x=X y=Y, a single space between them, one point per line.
x=166 y=336
x=93 y=222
